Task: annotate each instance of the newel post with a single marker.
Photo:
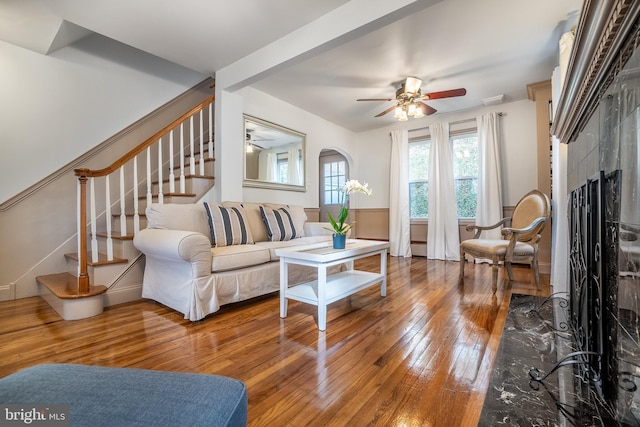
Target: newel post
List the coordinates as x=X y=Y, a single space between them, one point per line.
x=83 y=275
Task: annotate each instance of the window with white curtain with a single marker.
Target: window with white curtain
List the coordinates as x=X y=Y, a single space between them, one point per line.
x=465 y=167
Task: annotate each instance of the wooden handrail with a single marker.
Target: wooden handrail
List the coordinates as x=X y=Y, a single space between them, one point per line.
x=139 y=149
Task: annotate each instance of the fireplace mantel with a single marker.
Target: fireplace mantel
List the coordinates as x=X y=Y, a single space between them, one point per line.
x=605 y=37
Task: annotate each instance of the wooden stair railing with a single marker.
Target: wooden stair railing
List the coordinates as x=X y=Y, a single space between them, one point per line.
x=87 y=176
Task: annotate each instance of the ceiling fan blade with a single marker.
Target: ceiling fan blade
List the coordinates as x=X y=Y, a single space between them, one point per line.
x=427 y=110
x=445 y=94
x=375 y=99
x=388 y=110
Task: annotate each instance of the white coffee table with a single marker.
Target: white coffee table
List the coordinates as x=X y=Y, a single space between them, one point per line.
x=328 y=289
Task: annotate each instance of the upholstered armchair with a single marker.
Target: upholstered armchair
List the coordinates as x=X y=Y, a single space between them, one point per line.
x=521 y=234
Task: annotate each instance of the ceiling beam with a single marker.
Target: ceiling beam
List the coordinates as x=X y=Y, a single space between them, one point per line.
x=339 y=26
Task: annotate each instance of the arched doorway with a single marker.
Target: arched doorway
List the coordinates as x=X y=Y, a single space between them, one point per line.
x=334 y=172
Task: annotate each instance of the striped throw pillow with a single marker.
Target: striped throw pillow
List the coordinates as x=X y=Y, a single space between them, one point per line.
x=227 y=226
x=279 y=223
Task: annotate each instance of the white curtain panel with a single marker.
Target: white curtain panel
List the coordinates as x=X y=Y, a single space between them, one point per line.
x=293 y=167
x=489 y=209
x=443 y=240
x=399 y=211
x=271 y=167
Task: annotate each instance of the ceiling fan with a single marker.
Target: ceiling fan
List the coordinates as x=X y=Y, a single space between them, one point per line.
x=408 y=100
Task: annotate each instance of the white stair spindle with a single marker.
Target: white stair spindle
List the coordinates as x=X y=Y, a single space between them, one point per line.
x=136 y=215
x=78 y=222
x=182 y=180
x=201 y=144
x=149 y=194
x=160 y=193
x=92 y=203
x=172 y=177
x=94 y=238
x=192 y=160
x=107 y=215
x=123 y=215
x=211 y=130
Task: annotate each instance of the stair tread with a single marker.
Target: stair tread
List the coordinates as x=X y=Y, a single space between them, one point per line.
x=196 y=160
x=115 y=236
x=155 y=196
x=142 y=215
x=65 y=286
x=187 y=177
x=102 y=259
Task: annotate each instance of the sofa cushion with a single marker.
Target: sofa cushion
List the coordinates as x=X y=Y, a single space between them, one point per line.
x=172 y=216
x=254 y=218
x=309 y=240
x=239 y=256
x=279 y=224
x=298 y=215
x=227 y=226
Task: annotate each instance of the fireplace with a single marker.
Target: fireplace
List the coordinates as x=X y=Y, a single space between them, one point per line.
x=604 y=256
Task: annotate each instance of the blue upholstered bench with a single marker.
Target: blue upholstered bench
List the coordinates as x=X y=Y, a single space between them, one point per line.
x=100 y=396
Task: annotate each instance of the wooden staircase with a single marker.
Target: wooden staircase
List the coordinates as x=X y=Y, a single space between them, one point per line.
x=182 y=173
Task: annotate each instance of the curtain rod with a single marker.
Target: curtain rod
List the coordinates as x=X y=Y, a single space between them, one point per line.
x=457 y=122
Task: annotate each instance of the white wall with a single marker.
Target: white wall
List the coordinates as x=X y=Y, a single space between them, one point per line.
x=56 y=107
x=320 y=134
x=519 y=161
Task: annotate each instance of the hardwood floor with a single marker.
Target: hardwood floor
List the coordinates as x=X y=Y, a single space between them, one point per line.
x=422 y=356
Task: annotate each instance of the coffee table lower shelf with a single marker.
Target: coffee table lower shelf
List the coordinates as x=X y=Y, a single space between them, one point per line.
x=339 y=285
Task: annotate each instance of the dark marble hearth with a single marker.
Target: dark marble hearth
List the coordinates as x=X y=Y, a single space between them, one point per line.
x=532 y=338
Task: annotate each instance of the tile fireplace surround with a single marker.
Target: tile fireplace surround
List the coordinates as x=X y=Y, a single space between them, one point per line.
x=603 y=173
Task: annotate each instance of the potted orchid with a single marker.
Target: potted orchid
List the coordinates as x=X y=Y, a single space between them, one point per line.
x=338 y=226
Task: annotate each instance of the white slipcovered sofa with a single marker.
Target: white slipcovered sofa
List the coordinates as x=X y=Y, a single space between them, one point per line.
x=201 y=256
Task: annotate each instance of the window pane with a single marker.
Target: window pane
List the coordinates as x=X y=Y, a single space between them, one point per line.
x=418 y=195
x=465 y=156
x=418 y=176
x=465 y=169
x=334 y=180
x=467 y=197
x=419 y=160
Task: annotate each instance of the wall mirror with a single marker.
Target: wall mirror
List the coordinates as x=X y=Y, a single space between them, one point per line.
x=273 y=156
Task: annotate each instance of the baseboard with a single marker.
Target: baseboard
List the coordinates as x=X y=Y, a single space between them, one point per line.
x=123 y=294
x=8 y=292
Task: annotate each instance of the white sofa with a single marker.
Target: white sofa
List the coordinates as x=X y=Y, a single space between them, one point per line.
x=183 y=271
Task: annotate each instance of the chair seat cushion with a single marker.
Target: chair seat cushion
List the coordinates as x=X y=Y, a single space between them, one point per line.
x=487 y=248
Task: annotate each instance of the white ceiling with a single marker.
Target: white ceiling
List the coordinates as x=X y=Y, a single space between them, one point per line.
x=489 y=47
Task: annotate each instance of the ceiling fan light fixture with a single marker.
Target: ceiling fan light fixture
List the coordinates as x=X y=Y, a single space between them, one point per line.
x=398 y=112
x=409 y=100
x=412 y=85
